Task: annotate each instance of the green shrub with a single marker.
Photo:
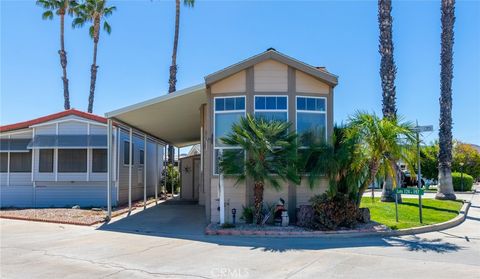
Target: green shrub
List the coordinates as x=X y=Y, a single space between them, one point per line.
x=457 y=181
x=247 y=214
x=334 y=212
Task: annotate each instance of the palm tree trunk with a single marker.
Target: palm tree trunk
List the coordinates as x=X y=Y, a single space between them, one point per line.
x=94 y=67
x=63 y=62
x=445 y=186
x=258 y=194
x=172 y=81
x=388 y=193
x=388 y=72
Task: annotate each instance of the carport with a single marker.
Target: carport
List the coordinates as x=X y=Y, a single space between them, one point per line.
x=173 y=118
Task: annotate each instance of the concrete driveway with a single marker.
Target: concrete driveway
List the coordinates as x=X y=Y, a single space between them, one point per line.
x=160 y=246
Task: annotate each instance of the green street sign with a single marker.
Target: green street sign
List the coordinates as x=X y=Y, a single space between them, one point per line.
x=410 y=191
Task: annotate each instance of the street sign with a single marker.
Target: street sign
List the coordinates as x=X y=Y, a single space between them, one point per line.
x=421 y=129
x=410 y=191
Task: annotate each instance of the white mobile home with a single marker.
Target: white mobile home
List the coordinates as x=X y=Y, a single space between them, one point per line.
x=61 y=160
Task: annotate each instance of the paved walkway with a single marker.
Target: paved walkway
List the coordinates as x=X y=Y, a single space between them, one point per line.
x=119 y=250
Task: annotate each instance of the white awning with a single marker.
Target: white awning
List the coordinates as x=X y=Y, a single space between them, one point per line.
x=174 y=118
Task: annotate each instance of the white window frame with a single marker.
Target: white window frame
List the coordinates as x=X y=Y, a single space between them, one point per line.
x=215 y=112
x=255 y=110
x=311 y=111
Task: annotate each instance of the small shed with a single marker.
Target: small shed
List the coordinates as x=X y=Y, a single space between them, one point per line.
x=189 y=169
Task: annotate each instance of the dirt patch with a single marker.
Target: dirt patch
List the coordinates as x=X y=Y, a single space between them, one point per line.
x=85 y=217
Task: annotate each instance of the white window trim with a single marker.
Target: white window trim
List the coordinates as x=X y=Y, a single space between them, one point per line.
x=269 y=110
x=311 y=111
x=244 y=111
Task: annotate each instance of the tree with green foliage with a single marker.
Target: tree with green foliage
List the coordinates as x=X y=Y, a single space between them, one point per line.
x=271 y=155
x=466 y=159
x=429 y=161
x=60 y=8
x=360 y=153
x=379 y=143
x=93 y=12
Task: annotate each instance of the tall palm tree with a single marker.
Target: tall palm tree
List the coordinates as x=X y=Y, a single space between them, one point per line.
x=172 y=81
x=388 y=72
x=271 y=153
x=93 y=11
x=61 y=8
x=445 y=186
x=377 y=141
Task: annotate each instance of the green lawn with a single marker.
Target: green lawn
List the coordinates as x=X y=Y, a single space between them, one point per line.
x=434 y=211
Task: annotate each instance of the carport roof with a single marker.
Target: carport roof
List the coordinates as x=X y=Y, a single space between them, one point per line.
x=174 y=118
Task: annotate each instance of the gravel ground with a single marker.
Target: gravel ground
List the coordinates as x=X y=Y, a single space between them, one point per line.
x=66 y=215
x=254 y=227
x=60 y=215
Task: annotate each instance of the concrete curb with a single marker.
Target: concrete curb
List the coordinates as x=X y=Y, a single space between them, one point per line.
x=209 y=230
x=436 y=227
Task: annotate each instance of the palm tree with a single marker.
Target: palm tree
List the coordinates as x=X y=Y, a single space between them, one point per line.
x=331 y=160
x=172 y=81
x=445 y=186
x=388 y=71
x=93 y=11
x=271 y=153
x=60 y=7
x=377 y=141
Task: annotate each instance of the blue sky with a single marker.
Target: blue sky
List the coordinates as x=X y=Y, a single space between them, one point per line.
x=341 y=35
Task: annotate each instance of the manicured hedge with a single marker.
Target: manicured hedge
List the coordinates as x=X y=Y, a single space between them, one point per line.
x=457 y=181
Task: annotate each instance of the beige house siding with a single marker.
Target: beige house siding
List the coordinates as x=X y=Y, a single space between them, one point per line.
x=304 y=193
x=308 y=84
x=234 y=83
x=270 y=76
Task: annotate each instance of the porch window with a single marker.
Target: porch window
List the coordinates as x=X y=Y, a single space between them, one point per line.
x=45 y=160
x=3 y=162
x=272 y=107
x=99 y=160
x=311 y=119
x=126 y=153
x=72 y=160
x=228 y=110
x=21 y=161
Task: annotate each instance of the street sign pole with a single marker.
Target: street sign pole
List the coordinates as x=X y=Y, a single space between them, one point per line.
x=418 y=130
x=396 y=205
x=419 y=177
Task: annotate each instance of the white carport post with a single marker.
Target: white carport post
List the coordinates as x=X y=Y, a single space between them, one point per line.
x=109 y=168
x=165 y=165
x=144 y=171
x=156 y=173
x=221 y=192
x=130 y=170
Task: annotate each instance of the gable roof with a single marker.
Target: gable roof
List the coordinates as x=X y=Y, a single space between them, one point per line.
x=26 y=124
x=271 y=53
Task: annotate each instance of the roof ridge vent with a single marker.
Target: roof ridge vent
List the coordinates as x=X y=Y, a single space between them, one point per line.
x=271 y=48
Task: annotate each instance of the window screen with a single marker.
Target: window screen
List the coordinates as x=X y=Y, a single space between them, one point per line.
x=3 y=162
x=72 y=160
x=126 y=153
x=21 y=161
x=99 y=160
x=46 y=160
x=142 y=157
